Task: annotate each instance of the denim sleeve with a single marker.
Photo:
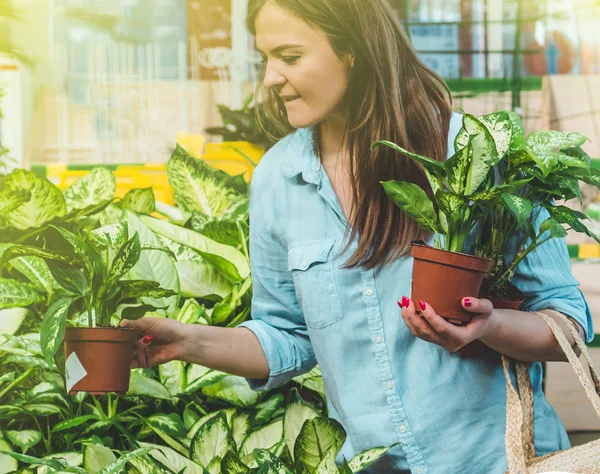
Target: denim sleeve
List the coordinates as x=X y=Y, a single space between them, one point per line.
x=277 y=320
x=545 y=278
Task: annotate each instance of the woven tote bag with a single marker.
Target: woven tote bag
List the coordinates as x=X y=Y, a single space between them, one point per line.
x=520 y=451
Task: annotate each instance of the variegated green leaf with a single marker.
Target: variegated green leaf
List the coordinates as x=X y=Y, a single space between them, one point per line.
x=575 y=158
x=96 y=187
x=173 y=376
x=10 y=199
x=497 y=191
x=37 y=272
x=317 y=436
x=125 y=259
x=231 y=464
x=96 y=457
x=140 y=385
x=43 y=409
x=53 y=327
x=171 y=424
x=15 y=294
x=544 y=147
x=327 y=465
x=73 y=422
x=520 y=207
x=484 y=154
x=8 y=463
x=555 y=229
x=139 y=200
x=232 y=389
x=212 y=440
x=171 y=459
x=46 y=201
x=500 y=126
x=116 y=466
x=264 y=457
x=72 y=459
x=366 y=458
x=114 y=235
x=262 y=438
x=228 y=260
x=24 y=439
x=457 y=168
x=11 y=319
x=200 y=279
x=573 y=218
x=17 y=251
x=415 y=203
x=152 y=265
x=450 y=203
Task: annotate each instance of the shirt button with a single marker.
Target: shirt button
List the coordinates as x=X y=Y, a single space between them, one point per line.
x=420 y=470
x=390 y=385
x=369 y=292
x=379 y=339
x=304 y=264
x=403 y=429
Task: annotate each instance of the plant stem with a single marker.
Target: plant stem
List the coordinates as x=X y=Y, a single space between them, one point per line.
x=242 y=239
x=17 y=381
x=508 y=273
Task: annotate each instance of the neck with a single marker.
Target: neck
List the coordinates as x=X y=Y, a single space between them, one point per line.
x=331 y=137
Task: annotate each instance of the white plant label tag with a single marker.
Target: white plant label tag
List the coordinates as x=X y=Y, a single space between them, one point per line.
x=74 y=371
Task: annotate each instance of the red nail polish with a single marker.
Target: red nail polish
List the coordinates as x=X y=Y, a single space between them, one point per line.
x=147 y=339
x=405 y=301
x=468 y=302
x=400 y=304
x=422 y=305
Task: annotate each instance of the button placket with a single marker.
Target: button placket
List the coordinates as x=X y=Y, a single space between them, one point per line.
x=398 y=415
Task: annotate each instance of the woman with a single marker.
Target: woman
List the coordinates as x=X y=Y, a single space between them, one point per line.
x=330 y=254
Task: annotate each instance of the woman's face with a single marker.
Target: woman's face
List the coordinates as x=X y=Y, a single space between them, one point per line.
x=301 y=67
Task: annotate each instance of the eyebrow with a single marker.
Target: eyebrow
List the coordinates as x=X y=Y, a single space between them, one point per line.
x=282 y=47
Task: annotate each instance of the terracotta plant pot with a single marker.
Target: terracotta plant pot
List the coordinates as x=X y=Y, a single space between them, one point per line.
x=514 y=301
x=97 y=360
x=478 y=349
x=442 y=279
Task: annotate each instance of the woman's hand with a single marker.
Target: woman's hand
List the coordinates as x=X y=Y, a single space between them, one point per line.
x=431 y=327
x=161 y=341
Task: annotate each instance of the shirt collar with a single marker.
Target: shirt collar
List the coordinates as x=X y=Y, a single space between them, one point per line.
x=301 y=157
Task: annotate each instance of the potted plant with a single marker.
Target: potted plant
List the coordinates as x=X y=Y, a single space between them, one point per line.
x=93 y=295
x=492 y=187
x=554 y=164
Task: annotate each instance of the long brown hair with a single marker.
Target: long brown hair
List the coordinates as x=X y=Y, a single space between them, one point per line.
x=392 y=96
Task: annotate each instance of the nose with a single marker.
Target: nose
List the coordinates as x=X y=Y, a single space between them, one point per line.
x=273 y=78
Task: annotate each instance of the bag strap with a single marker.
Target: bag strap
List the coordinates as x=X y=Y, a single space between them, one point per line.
x=519 y=411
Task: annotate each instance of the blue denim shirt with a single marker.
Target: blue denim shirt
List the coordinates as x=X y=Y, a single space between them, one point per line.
x=383 y=384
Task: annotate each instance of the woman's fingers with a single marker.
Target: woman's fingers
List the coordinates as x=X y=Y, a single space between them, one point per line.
x=140 y=357
x=417 y=325
x=476 y=305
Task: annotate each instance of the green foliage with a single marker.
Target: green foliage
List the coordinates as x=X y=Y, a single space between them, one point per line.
x=495 y=185
x=100 y=262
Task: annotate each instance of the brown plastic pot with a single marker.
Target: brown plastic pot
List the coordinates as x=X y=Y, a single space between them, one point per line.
x=103 y=354
x=516 y=299
x=442 y=279
x=477 y=349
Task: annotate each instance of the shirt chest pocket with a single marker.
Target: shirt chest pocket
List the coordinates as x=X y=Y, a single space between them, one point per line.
x=312 y=267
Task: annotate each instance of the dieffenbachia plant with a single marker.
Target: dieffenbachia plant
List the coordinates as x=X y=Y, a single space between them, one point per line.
x=90 y=273
x=494 y=185
x=462 y=188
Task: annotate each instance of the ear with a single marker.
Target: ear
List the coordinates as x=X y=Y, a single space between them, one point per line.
x=348 y=58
